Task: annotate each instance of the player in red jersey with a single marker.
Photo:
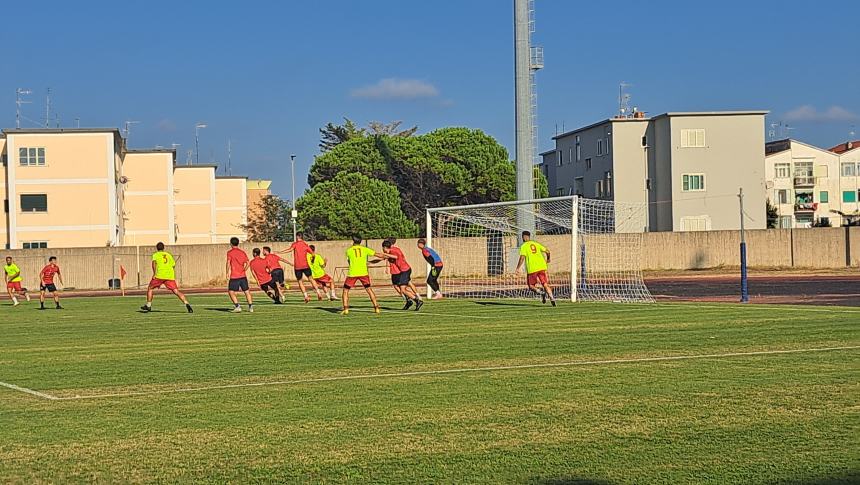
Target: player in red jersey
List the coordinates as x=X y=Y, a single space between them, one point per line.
x=401 y=274
x=46 y=283
x=261 y=270
x=300 y=250
x=275 y=268
x=237 y=267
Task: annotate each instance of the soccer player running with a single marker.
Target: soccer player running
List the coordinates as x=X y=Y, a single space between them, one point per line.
x=275 y=268
x=237 y=267
x=261 y=270
x=13 y=281
x=435 y=261
x=300 y=249
x=401 y=274
x=397 y=250
x=357 y=256
x=46 y=278
x=531 y=253
x=317 y=266
x=163 y=274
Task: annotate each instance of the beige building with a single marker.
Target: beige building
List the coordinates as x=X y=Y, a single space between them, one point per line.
x=84 y=188
x=687 y=167
x=809 y=185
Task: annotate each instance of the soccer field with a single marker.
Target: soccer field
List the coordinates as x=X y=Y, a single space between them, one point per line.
x=462 y=392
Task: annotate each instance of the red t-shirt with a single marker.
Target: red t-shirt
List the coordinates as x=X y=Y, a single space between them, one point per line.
x=300 y=254
x=48 y=273
x=258 y=266
x=274 y=261
x=400 y=262
x=237 y=259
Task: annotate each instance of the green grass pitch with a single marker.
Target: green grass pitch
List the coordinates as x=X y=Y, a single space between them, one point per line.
x=453 y=394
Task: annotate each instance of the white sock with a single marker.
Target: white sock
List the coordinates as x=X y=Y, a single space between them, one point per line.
x=14 y=300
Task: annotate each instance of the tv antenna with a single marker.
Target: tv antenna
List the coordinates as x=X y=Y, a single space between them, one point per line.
x=229 y=157
x=48 y=109
x=623 y=99
x=19 y=94
x=127 y=129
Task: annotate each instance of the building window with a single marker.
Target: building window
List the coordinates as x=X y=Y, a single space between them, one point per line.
x=848 y=169
x=785 y=222
x=600 y=147
x=823 y=197
x=693 y=182
x=782 y=196
x=579 y=185
x=607 y=184
x=34 y=203
x=559 y=156
x=644 y=142
x=782 y=170
x=693 y=138
x=4 y=159
x=849 y=196
x=31 y=157
x=588 y=164
x=598 y=189
x=578 y=152
x=559 y=191
x=34 y=245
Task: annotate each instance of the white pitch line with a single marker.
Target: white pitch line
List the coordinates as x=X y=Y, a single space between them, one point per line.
x=450 y=371
x=29 y=391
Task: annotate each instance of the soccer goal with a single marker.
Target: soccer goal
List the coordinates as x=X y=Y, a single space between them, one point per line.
x=595 y=248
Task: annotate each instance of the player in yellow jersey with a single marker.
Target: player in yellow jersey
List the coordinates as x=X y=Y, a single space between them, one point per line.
x=532 y=254
x=357 y=256
x=13 y=281
x=317 y=265
x=163 y=274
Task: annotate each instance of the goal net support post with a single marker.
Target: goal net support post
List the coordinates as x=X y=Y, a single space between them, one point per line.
x=594 y=247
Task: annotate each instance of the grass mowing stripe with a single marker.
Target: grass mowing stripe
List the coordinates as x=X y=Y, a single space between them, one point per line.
x=448 y=371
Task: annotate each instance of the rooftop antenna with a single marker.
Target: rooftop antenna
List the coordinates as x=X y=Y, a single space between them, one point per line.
x=623 y=99
x=229 y=157
x=851 y=134
x=77 y=122
x=772 y=132
x=788 y=129
x=127 y=129
x=189 y=157
x=48 y=109
x=19 y=93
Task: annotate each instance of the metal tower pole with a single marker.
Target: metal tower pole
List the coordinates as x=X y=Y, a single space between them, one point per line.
x=523 y=105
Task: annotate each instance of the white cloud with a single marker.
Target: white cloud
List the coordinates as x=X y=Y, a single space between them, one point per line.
x=166 y=125
x=394 y=88
x=808 y=112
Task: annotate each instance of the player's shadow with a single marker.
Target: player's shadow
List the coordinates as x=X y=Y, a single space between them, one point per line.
x=222 y=310
x=328 y=309
x=504 y=303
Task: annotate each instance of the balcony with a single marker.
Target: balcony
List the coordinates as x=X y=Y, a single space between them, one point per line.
x=805 y=206
x=804 y=181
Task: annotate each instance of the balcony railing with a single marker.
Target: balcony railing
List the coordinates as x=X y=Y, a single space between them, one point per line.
x=801 y=181
x=805 y=206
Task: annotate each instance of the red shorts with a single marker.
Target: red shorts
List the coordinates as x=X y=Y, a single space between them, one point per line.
x=325 y=280
x=14 y=285
x=169 y=284
x=536 y=277
x=352 y=280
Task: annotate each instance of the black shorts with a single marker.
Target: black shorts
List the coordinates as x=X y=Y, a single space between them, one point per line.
x=402 y=279
x=238 y=284
x=278 y=276
x=271 y=285
x=303 y=272
x=48 y=287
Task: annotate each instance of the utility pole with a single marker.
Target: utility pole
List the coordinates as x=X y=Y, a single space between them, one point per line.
x=229 y=157
x=293 y=213
x=527 y=60
x=48 y=109
x=745 y=295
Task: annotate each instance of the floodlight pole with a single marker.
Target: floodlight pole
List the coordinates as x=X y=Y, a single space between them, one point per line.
x=197 y=128
x=293 y=212
x=745 y=296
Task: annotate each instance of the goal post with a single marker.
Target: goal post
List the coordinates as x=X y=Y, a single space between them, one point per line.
x=594 y=246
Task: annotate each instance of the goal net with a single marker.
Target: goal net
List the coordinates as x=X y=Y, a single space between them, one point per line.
x=595 y=248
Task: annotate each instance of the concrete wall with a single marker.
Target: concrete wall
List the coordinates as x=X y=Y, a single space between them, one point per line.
x=199 y=265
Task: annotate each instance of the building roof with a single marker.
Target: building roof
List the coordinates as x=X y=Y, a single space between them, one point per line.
x=25 y=131
x=259 y=184
x=202 y=165
x=777 y=146
x=151 y=150
x=664 y=115
x=845 y=147
x=222 y=177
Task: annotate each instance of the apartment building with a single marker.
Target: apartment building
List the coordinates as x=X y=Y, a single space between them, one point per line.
x=84 y=188
x=686 y=166
x=813 y=186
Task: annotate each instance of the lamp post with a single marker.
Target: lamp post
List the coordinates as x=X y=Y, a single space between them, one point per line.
x=197 y=128
x=293 y=213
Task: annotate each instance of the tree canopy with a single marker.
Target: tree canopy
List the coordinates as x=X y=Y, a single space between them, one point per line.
x=271 y=222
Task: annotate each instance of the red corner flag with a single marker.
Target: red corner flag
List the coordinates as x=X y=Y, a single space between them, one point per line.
x=122 y=272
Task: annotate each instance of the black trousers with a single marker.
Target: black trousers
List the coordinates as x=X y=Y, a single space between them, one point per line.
x=433 y=278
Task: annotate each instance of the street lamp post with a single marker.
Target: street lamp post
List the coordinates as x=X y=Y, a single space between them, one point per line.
x=197 y=128
x=293 y=213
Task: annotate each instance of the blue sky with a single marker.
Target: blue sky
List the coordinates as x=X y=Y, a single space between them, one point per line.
x=268 y=76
